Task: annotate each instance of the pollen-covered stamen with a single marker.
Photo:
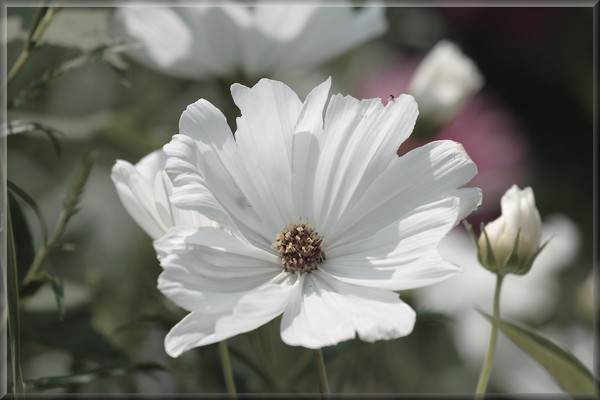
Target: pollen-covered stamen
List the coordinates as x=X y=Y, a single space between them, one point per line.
x=299 y=247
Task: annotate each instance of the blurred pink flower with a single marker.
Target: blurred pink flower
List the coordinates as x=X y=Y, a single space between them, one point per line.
x=487 y=129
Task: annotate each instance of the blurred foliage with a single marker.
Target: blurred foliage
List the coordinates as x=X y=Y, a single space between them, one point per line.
x=110 y=338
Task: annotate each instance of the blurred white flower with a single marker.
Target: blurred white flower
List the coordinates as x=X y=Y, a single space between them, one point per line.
x=194 y=42
x=530 y=297
x=443 y=81
x=510 y=243
x=144 y=191
x=325 y=220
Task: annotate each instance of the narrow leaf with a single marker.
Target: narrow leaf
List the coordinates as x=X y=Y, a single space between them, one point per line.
x=59 y=295
x=21 y=235
x=564 y=367
x=32 y=204
x=18 y=126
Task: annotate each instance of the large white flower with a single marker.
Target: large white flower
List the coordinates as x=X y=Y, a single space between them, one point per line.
x=144 y=191
x=324 y=220
x=266 y=39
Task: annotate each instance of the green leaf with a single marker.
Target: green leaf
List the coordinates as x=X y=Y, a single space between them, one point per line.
x=59 y=295
x=564 y=367
x=78 y=378
x=21 y=234
x=76 y=128
x=33 y=205
x=18 y=126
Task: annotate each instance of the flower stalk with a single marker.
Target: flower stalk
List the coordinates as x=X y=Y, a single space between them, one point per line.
x=70 y=208
x=41 y=22
x=322 y=372
x=486 y=370
x=227 y=370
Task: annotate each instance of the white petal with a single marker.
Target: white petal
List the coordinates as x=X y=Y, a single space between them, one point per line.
x=137 y=196
x=166 y=40
x=258 y=307
x=401 y=256
x=327 y=312
x=203 y=164
x=190 y=332
x=305 y=149
x=361 y=138
x=273 y=29
x=302 y=36
x=423 y=175
x=264 y=134
x=344 y=117
x=311 y=115
x=216 y=35
x=208 y=270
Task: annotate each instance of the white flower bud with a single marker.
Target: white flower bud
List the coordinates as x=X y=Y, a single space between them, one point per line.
x=444 y=80
x=513 y=240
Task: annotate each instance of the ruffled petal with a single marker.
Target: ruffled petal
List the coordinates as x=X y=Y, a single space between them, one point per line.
x=203 y=164
x=401 y=256
x=425 y=174
x=360 y=139
x=328 y=311
x=138 y=198
x=270 y=112
x=260 y=306
x=208 y=270
x=306 y=151
x=193 y=329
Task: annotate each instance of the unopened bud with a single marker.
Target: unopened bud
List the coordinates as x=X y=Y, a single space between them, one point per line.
x=510 y=244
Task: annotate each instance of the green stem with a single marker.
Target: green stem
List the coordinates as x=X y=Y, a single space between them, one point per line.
x=31 y=44
x=70 y=208
x=227 y=371
x=484 y=377
x=320 y=363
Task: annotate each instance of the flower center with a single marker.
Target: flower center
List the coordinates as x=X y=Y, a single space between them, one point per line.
x=299 y=247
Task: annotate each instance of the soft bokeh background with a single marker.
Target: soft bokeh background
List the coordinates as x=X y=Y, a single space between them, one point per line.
x=531 y=124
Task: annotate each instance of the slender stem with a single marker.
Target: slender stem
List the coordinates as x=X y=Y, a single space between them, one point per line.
x=320 y=363
x=227 y=371
x=31 y=44
x=484 y=377
x=70 y=208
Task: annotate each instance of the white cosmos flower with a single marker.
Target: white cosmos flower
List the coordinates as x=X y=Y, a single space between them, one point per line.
x=144 y=191
x=266 y=39
x=325 y=220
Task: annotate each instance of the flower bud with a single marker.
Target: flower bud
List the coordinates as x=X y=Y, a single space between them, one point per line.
x=444 y=80
x=511 y=243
